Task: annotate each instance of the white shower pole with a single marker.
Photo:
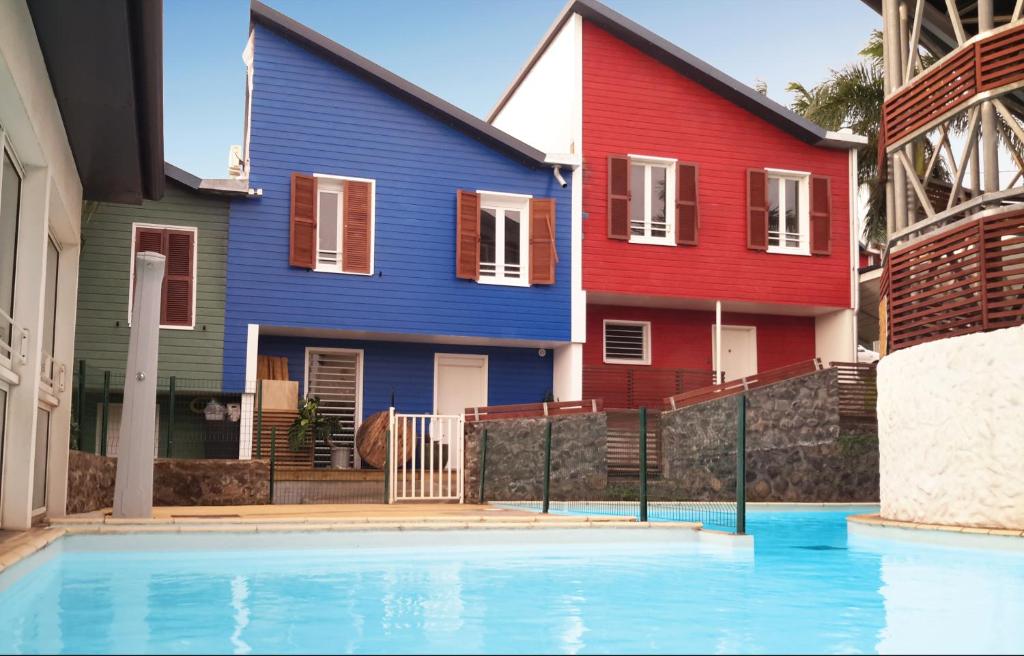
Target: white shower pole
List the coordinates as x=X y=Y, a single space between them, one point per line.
x=133 y=487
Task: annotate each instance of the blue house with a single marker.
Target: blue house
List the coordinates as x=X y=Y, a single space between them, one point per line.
x=399 y=249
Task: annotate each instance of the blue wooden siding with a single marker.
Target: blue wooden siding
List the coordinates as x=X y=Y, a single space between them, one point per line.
x=309 y=115
x=515 y=375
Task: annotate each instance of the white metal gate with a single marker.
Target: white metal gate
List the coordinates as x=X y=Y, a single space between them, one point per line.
x=426 y=455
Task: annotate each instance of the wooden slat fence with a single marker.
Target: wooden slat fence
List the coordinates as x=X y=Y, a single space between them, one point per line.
x=623 y=444
x=733 y=387
x=624 y=386
x=283 y=455
x=967 y=278
x=858 y=392
x=526 y=410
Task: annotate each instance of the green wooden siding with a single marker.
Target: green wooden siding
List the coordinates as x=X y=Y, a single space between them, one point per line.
x=101 y=336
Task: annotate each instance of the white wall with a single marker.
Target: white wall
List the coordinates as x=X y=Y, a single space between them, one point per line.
x=51 y=203
x=835 y=337
x=546 y=109
x=951 y=431
x=568 y=372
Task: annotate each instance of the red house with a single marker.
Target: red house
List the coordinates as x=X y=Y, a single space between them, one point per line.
x=701 y=208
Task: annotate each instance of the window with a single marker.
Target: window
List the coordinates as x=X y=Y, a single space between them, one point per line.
x=50 y=312
x=178 y=294
x=652 y=188
x=627 y=342
x=344 y=230
x=788 y=212
x=42 y=449
x=503 y=238
x=10 y=206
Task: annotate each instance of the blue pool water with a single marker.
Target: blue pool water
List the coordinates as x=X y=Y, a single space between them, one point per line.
x=806 y=587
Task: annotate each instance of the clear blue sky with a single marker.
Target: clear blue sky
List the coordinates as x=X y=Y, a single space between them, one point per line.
x=467 y=51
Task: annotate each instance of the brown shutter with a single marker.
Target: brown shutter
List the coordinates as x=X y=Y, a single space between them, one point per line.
x=821 y=215
x=148 y=240
x=303 y=222
x=467 y=235
x=618 y=197
x=176 y=308
x=543 y=255
x=357 y=227
x=757 y=209
x=687 y=207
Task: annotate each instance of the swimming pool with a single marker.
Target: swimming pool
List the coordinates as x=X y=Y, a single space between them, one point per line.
x=805 y=587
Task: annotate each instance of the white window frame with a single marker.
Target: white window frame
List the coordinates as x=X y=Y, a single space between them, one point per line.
x=803 y=179
x=195 y=268
x=49 y=367
x=336 y=183
x=646 y=337
x=499 y=202
x=669 y=164
x=7 y=350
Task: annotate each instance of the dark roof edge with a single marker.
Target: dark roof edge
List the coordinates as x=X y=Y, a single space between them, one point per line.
x=309 y=38
x=146 y=18
x=689 y=65
x=229 y=187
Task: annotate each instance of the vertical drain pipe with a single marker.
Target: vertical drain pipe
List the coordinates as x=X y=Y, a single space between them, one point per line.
x=643 y=464
x=718 y=343
x=547 y=469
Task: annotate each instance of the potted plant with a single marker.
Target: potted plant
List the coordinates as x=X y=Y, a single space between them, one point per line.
x=310 y=424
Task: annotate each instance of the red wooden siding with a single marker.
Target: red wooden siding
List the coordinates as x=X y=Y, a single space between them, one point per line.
x=672 y=116
x=682 y=338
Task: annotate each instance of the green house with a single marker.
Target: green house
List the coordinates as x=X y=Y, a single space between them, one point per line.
x=189 y=226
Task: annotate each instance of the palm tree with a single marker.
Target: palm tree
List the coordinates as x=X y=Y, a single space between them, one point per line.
x=852 y=98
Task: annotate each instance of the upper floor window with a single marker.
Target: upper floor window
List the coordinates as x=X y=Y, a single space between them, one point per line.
x=332 y=223
x=788 y=212
x=652 y=197
x=10 y=207
x=627 y=342
x=178 y=294
x=504 y=236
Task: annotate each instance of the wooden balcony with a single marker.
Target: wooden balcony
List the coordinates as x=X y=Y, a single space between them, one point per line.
x=627 y=386
x=963 y=278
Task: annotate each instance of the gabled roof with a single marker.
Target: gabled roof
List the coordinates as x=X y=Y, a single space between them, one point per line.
x=688 y=65
x=105 y=63
x=342 y=56
x=226 y=187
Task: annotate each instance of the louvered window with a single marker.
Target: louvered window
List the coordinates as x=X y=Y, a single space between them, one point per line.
x=627 y=342
x=335 y=377
x=178 y=292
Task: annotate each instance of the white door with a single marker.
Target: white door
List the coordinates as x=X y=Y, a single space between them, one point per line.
x=739 y=351
x=335 y=376
x=460 y=382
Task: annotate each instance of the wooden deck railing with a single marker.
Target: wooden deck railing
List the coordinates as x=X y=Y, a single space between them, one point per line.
x=953 y=84
x=625 y=386
x=741 y=385
x=966 y=278
x=524 y=410
x=858 y=391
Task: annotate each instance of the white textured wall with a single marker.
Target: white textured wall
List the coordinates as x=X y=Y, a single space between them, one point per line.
x=951 y=431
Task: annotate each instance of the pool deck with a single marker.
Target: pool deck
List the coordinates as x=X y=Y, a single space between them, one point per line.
x=878 y=520
x=15 y=546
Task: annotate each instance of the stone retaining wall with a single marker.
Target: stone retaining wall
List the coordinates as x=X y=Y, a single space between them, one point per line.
x=515 y=458
x=175 y=482
x=796 y=449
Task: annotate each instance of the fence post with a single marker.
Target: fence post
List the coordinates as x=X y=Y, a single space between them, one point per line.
x=259 y=418
x=80 y=414
x=387 y=464
x=547 y=468
x=483 y=464
x=741 y=465
x=171 y=385
x=643 y=464
x=273 y=450
x=105 y=416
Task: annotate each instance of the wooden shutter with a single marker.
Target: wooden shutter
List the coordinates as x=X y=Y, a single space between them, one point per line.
x=821 y=215
x=303 y=222
x=467 y=235
x=176 y=306
x=757 y=209
x=147 y=240
x=357 y=227
x=543 y=255
x=618 y=197
x=687 y=207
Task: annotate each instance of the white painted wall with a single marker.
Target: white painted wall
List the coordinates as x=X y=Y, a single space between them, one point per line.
x=51 y=205
x=568 y=372
x=546 y=109
x=951 y=431
x=835 y=336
